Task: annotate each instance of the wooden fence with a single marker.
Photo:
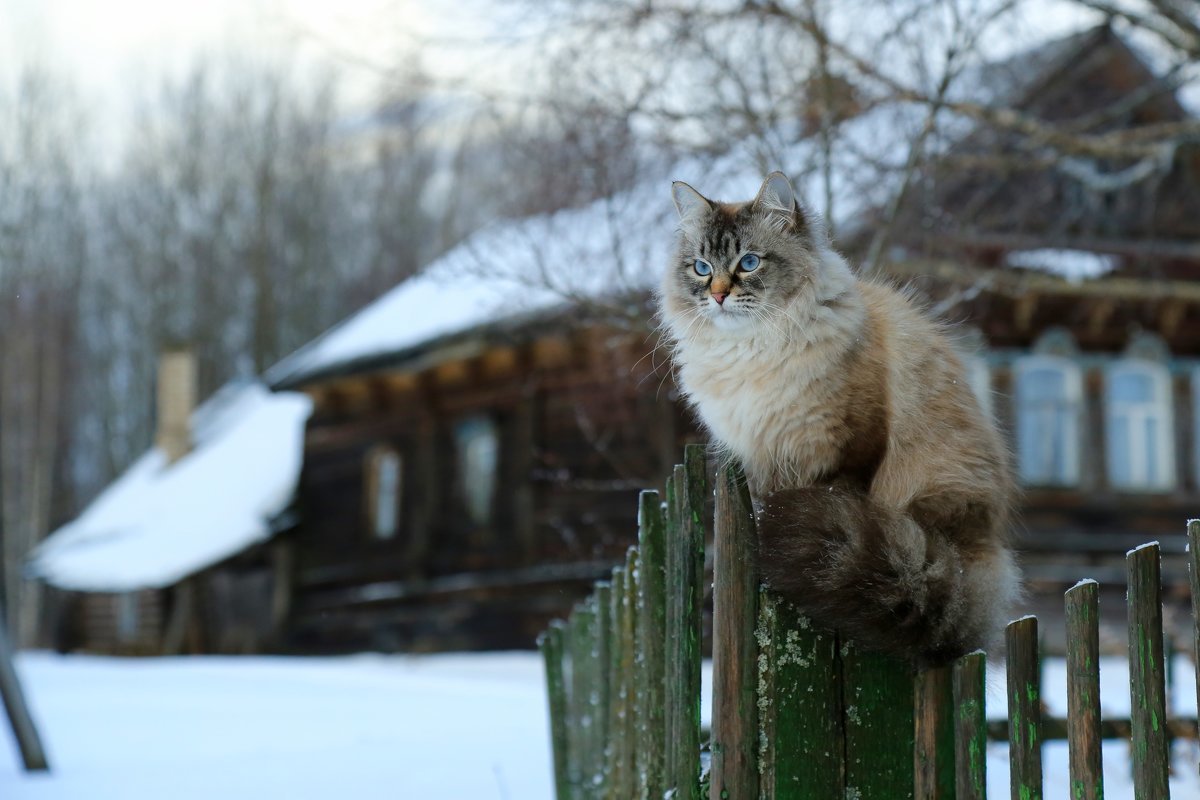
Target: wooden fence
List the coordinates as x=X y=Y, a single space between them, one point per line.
x=799 y=713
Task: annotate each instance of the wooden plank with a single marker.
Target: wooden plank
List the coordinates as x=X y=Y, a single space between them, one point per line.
x=692 y=510
x=801 y=742
x=551 y=645
x=521 y=429
x=877 y=698
x=651 y=644
x=612 y=748
x=734 y=742
x=933 y=753
x=1147 y=688
x=685 y=566
x=602 y=688
x=626 y=787
x=1055 y=728
x=1083 y=690
x=1024 y=710
x=970 y=727
x=581 y=741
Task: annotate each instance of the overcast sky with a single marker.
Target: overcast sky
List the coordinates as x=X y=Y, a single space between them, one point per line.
x=117 y=51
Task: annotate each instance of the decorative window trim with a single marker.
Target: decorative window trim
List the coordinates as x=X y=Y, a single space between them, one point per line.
x=385 y=489
x=1073 y=399
x=1160 y=407
x=477 y=466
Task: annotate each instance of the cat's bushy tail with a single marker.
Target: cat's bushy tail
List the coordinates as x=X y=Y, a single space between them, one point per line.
x=928 y=583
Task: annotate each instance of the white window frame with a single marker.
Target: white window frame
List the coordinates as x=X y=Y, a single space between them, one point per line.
x=127 y=615
x=979 y=376
x=1073 y=387
x=1161 y=407
x=476 y=448
x=385 y=489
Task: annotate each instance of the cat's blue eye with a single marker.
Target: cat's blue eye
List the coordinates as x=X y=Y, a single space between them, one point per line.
x=749 y=262
x=702 y=268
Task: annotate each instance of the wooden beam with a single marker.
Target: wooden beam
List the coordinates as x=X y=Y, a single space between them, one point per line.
x=499 y=362
x=1099 y=315
x=1006 y=283
x=1023 y=313
x=401 y=382
x=451 y=373
x=1128 y=247
x=551 y=351
x=1170 y=316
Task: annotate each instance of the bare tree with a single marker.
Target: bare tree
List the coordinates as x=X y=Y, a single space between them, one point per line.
x=43 y=252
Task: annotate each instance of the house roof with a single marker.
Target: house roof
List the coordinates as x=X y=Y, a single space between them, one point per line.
x=514 y=271
x=157 y=524
x=613 y=247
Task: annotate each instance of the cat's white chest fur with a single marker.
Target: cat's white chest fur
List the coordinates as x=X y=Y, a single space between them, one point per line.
x=767 y=403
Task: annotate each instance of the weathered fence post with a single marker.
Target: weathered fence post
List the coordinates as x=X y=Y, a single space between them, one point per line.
x=933 y=753
x=1147 y=688
x=551 y=645
x=802 y=736
x=734 y=767
x=878 y=697
x=970 y=727
x=1024 y=710
x=652 y=639
x=1083 y=690
x=685 y=568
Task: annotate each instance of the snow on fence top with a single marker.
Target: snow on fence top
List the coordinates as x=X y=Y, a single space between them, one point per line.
x=621 y=243
x=157 y=524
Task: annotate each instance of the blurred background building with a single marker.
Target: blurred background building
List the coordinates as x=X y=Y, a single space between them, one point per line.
x=452 y=464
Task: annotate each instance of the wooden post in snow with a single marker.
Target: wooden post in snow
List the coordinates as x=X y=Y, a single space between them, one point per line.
x=32 y=754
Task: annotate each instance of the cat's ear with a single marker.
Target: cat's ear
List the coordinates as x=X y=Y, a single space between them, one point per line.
x=689 y=202
x=777 y=200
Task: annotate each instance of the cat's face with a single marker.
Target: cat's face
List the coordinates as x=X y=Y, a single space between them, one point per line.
x=738 y=265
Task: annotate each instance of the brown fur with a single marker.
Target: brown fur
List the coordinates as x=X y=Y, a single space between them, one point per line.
x=884 y=491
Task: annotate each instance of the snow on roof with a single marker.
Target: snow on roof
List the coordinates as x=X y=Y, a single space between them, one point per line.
x=608 y=248
x=1074 y=265
x=156 y=524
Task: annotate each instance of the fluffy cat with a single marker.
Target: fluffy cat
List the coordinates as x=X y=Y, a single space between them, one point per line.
x=883 y=491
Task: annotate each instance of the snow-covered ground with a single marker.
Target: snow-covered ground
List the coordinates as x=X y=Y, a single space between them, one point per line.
x=437 y=727
x=424 y=728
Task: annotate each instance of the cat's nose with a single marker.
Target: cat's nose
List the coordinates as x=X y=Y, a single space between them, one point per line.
x=720 y=297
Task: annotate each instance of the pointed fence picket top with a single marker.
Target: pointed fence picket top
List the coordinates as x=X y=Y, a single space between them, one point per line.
x=801 y=713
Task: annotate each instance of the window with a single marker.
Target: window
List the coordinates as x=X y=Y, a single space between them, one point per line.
x=1048 y=406
x=980 y=378
x=1138 y=425
x=127 y=617
x=384 y=475
x=478 y=449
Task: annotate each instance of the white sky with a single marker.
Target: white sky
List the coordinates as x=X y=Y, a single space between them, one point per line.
x=116 y=52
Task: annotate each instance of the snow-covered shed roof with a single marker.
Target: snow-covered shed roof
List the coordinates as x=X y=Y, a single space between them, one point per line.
x=157 y=524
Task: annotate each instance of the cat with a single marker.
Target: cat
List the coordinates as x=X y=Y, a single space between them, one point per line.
x=883 y=492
